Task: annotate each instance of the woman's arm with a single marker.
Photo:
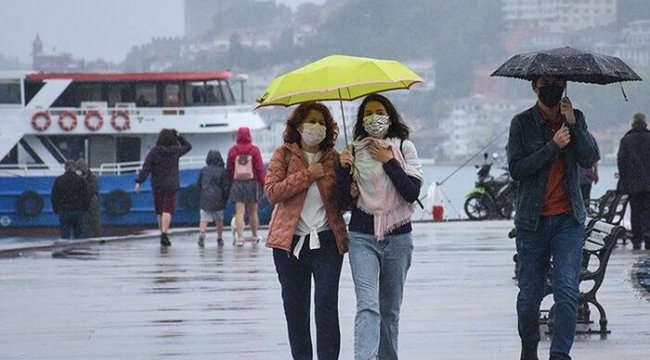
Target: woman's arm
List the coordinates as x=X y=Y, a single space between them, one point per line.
x=279 y=185
x=407 y=186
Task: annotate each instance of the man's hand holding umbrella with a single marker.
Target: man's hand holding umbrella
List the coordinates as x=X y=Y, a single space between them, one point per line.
x=566 y=109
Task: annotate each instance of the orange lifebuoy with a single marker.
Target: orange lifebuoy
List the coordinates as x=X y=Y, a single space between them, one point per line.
x=67 y=126
x=93 y=120
x=120 y=120
x=41 y=125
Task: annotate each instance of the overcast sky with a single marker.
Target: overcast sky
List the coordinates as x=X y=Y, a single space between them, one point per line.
x=89 y=29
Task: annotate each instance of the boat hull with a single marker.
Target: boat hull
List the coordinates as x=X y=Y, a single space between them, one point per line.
x=17 y=216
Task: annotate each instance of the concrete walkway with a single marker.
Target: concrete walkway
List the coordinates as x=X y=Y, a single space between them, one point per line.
x=130 y=300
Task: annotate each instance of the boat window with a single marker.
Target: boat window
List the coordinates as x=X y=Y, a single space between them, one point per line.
x=9 y=91
x=146 y=95
x=70 y=147
x=120 y=93
x=172 y=95
x=229 y=97
x=195 y=94
x=90 y=92
x=213 y=94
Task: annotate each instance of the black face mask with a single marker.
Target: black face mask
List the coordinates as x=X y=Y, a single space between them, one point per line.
x=550 y=95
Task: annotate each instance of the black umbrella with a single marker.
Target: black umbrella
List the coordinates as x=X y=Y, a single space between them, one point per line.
x=568 y=63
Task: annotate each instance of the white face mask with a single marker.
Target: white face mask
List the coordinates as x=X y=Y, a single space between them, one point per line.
x=313 y=134
x=376 y=125
x=79 y=172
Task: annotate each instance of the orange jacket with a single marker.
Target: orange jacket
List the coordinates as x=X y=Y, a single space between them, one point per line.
x=286 y=186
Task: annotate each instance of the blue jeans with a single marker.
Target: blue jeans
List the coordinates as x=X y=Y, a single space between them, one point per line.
x=561 y=238
x=379 y=271
x=295 y=275
x=70 y=222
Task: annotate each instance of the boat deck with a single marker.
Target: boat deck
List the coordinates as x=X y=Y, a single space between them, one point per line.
x=125 y=298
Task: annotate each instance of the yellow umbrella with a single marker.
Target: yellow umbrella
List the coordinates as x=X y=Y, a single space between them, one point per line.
x=337 y=77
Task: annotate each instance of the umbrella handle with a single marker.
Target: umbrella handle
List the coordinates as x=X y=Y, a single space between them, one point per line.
x=345 y=129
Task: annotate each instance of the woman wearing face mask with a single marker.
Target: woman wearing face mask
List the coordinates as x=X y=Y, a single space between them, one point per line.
x=307 y=231
x=381 y=175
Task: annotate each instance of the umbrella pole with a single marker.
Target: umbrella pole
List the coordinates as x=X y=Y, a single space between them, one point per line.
x=345 y=129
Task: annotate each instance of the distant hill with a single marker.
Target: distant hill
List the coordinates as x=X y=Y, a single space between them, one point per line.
x=458 y=35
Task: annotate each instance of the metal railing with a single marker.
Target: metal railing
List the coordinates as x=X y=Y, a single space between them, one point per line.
x=187 y=162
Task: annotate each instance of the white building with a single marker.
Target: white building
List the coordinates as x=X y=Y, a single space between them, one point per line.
x=559 y=15
x=635 y=50
x=475 y=121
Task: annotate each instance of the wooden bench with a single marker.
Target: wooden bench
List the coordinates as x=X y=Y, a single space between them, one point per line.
x=600 y=239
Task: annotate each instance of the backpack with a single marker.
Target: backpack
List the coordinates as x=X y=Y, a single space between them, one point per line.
x=243 y=167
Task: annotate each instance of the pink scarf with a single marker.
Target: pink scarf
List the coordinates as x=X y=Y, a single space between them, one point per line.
x=377 y=194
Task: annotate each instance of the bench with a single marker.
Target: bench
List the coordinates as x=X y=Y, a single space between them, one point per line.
x=609 y=208
x=600 y=239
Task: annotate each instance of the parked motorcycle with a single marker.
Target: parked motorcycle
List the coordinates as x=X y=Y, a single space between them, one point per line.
x=491 y=198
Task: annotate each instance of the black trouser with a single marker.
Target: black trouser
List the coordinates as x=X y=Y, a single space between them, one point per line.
x=586 y=192
x=640 y=218
x=70 y=222
x=295 y=275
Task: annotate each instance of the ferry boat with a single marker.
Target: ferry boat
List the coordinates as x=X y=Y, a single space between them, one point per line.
x=110 y=120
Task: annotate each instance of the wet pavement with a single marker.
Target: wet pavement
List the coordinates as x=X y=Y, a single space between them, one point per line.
x=131 y=300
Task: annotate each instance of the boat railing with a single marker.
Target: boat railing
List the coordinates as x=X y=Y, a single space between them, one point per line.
x=186 y=162
x=155 y=111
x=30 y=169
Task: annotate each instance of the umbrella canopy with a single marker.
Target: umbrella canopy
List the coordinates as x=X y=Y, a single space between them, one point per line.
x=337 y=77
x=569 y=63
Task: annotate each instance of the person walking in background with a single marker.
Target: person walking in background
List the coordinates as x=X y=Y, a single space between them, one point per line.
x=587 y=176
x=546 y=144
x=70 y=199
x=92 y=226
x=214 y=190
x=246 y=172
x=162 y=163
x=634 y=178
x=386 y=180
x=307 y=231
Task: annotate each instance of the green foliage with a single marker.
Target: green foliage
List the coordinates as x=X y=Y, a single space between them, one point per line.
x=458 y=34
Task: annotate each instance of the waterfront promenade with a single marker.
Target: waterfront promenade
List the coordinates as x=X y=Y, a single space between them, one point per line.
x=131 y=300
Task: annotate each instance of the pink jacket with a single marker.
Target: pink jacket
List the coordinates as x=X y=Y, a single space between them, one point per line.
x=286 y=187
x=245 y=146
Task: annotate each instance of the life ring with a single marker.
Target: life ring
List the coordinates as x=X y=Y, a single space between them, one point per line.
x=41 y=125
x=117 y=202
x=191 y=198
x=93 y=120
x=120 y=120
x=29 y=204
x=67 y=126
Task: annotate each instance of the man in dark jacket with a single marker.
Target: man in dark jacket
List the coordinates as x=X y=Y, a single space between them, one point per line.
x=634 y=178
x=162 y=163
x=546 y=144
x=70 y=200
x=92 y=226
x=214 y=190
